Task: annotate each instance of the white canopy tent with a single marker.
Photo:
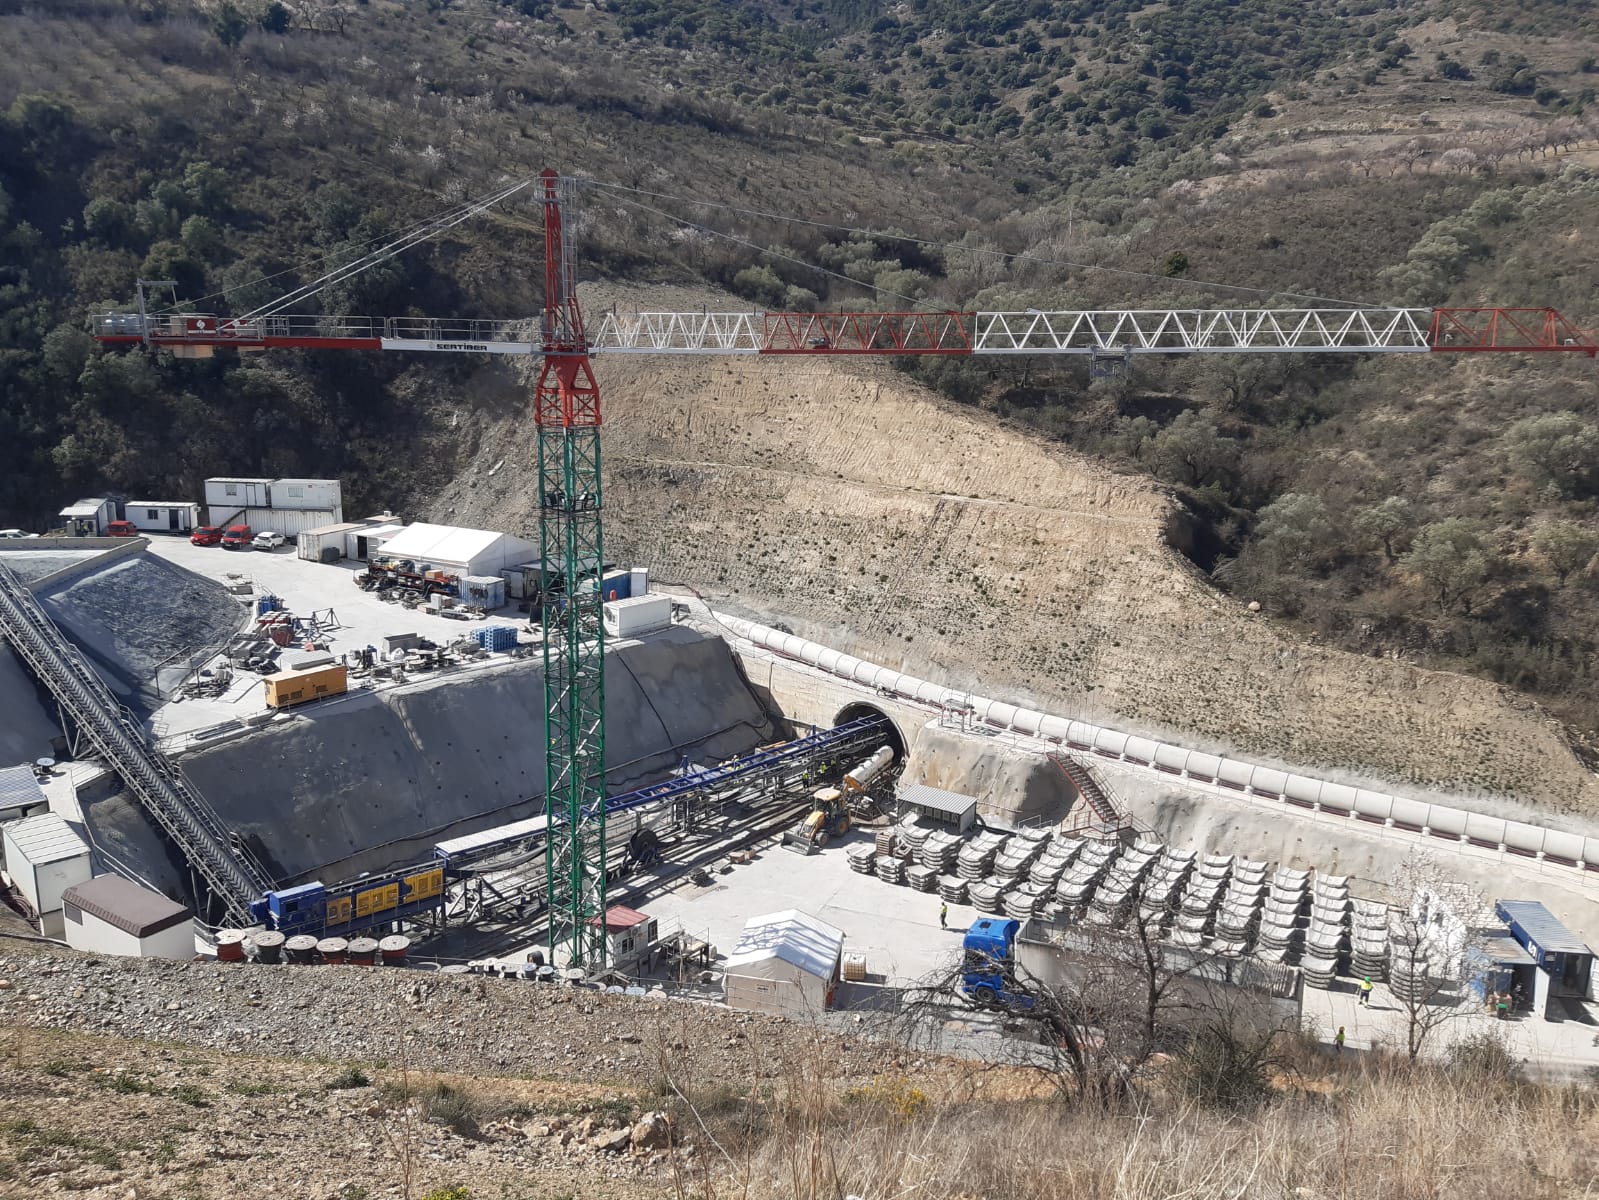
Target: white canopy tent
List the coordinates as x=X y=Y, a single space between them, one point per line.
x=785 y=963
x=451 y=548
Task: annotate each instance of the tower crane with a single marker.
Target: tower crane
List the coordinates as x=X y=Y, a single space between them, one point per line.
x=566 y=410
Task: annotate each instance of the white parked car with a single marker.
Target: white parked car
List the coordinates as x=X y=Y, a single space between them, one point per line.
x=16 y=533
x=267 y=540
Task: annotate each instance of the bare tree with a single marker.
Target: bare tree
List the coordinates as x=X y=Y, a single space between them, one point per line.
x=1431 y=932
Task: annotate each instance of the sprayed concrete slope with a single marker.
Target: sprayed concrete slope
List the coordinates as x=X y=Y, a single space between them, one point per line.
x=141 y=620
x=862 y=511
x=25 y=724
x=374 y=780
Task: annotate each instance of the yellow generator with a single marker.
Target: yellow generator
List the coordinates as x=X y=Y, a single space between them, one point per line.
x=288 y=688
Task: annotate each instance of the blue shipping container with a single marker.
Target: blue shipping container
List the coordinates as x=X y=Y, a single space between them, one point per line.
x=618 y=585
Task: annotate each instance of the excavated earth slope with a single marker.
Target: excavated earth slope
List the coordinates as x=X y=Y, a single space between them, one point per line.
x=863 y=511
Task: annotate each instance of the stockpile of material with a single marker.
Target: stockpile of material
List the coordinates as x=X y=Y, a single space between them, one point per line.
x=1200 y=900
x=1281 y=934
x=1115 y=895
x=909 y=836
x=976 y=858
x=1410 y=969
x=885 y=843
x=1019 y=852
x=1327 y=937
x=953 y=889
x=1368 y=940
x=862 y=859
x=1239 y=914
x=1158 y=901
x=1052 y=863
x=987 y=895
x=1085 y=872
x=1025 y=900
x=939 y=851
x=923 y=879
x=890 y=869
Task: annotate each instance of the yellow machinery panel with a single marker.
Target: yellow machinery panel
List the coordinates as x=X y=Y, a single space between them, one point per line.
x=296 y=687
x=424 y=885
x=376 y=900
x=339 y=910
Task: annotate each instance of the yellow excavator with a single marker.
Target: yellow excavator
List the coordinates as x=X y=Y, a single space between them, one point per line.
x=828 y=818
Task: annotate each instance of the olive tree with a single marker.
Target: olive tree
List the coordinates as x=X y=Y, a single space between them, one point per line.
x=1449 y=559
x=1566 y=546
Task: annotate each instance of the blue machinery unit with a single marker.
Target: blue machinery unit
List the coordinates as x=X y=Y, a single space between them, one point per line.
x=416 y=891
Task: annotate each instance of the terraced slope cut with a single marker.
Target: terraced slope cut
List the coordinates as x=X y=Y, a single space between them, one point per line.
x=861 y=510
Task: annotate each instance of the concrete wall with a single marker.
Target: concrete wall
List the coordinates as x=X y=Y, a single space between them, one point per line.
x=373 y=780
x=98 y=937
x=26 y=726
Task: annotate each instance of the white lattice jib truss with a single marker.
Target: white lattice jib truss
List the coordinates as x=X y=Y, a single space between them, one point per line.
x=1199 y=331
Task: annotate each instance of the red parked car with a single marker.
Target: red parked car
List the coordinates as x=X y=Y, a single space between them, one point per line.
x=236 y=536
x=206 y=535
x=122 y=529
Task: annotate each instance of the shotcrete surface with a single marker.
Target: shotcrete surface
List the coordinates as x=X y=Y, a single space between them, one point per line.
x=36 y=564
x=374 y=779
x=25 y=725
x=1013 y=784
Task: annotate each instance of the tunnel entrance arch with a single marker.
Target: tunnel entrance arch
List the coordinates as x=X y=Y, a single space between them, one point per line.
x=893 y=738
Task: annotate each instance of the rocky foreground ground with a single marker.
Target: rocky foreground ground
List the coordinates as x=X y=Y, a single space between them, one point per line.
x=132 y=1078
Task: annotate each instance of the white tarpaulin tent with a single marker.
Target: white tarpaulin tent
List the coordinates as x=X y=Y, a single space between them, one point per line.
x=465 y=551
x=785 y=963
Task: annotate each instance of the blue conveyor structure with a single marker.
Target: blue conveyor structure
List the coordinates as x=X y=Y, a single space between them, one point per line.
x=419 y=890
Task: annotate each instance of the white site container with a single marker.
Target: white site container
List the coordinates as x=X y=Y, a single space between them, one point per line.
x=45 y=857
x=110 y=915
x=637 y=615
x=638 y=583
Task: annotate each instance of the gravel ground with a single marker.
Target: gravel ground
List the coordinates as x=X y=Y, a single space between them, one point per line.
x=144 y=1078
x=441 y=1022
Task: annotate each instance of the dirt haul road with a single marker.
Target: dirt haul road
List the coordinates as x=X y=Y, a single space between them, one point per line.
x=865 y=512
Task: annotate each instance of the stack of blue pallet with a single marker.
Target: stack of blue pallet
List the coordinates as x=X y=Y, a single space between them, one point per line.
x=498 y=638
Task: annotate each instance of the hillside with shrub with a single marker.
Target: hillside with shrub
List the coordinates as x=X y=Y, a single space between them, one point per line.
x=1012 y=154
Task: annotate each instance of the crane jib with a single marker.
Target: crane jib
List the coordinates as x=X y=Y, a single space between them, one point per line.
x=1085 y=332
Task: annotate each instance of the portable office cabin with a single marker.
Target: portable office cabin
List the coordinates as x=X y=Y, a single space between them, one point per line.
x=1565 y=963
x=163 y=516
x=20 y=794
x=629 y=934
x=785 y=963
x=89 y=518
x=937 y=806
x=110 y=915
x=45 y=857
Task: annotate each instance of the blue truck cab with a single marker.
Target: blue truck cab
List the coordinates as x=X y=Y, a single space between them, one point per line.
x=988 y=967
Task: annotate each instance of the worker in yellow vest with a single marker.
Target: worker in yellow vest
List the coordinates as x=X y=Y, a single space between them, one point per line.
x=1365 y=992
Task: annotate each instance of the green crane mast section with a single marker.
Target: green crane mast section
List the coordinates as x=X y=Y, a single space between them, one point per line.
x=567 y=412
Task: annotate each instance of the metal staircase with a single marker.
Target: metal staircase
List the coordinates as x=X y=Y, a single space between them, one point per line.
x=232 y=879
x=1092 y=791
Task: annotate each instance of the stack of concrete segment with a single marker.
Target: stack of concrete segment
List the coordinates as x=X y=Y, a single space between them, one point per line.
x=1238 y=915
x=1052 y=864
x=862 y=859
x=1116 y=894
x=885 y=842
x=1282 y=919
x=923 y=879
x=939 y=852
x=1410 y=968
x=976 y=858
x=890 y=869
x=909 y=837
x=988 y=895
x=1019 y=853
x=1327 y=937
x=1159 y=900
x=1025 y=900
x=1077 y=884
x=1368 y=941
x=953 y=889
